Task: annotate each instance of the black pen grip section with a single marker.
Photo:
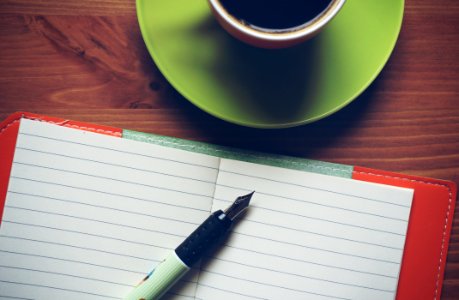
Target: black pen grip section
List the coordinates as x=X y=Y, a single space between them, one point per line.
x=203 y=238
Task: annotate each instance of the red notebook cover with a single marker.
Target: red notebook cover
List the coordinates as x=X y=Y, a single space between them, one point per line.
x=429 y=228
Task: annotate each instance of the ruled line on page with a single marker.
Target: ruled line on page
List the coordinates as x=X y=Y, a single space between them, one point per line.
x=77 y=247
x=71 y=261
x=114 y=164
x=85 y=233
x=72 y=246
x=319 y=234
x=65 y=274
x=80 y=277
x=292 y=274
x=95 y=220
x=315 y=248
x=57 y=288
x=116 y=150
x=181 y=295
x=226 y=291
x=310 y=202
x=299 y=260
x=69 y=290
x=254 y=206
x=104 y=207
x=314 y=188
x=272 y=285
x=11 y=297
x=113 y=179
x=107 y=193
x=296 y=275
x=325 y=235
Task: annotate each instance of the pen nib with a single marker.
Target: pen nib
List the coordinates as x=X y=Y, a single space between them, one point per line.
x=238 y=206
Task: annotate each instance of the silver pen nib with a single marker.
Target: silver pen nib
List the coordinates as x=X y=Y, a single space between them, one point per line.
x=238 y=206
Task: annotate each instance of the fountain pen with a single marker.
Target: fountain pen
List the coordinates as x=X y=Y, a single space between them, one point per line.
x=179 y=261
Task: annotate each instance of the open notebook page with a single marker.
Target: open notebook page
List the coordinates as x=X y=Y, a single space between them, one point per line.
x=307 y=236
x=88 y=215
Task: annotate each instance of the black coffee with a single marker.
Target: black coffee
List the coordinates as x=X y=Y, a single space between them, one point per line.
x=275 y=15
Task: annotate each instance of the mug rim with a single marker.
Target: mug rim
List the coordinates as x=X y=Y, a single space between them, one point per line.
x=308 y=29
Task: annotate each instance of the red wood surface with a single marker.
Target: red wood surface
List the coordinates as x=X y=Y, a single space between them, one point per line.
x=85 y=60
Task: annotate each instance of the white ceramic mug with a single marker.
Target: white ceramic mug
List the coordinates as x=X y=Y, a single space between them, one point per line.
x=274 y=39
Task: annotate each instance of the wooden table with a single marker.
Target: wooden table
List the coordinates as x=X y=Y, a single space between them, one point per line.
x=85 y=60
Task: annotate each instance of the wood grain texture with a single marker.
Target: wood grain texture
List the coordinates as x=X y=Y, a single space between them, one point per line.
x=85 y=60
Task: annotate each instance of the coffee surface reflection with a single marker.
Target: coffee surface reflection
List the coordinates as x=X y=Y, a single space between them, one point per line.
x=275 y=15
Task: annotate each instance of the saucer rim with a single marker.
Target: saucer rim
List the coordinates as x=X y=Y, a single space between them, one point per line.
x=261 y=125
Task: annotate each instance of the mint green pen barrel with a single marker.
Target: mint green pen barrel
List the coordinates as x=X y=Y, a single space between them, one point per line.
x=182 y=258
x=156 y=284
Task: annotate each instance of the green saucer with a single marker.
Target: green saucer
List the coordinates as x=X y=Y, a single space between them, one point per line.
x=269 y=88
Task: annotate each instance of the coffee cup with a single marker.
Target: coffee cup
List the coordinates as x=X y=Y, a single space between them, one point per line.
x=274 y=23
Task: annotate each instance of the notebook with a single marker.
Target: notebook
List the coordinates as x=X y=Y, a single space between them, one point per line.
x=89 y=210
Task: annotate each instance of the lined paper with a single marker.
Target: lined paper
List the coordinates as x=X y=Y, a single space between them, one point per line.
x=87 y=216
x=307 y=236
